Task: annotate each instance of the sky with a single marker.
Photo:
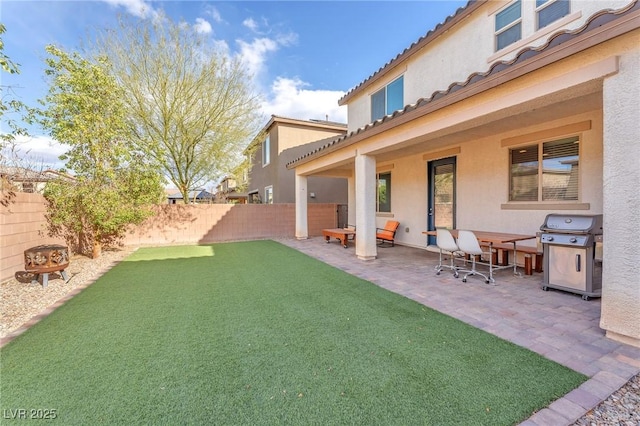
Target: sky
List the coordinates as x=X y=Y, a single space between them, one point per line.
x=305 y=55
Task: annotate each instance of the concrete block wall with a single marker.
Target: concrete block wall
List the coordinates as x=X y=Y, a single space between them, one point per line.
x=22 y=226
x=193 y=224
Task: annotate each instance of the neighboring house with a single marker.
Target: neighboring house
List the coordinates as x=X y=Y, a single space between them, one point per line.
x=25 y=180
x=228 y=192
x=502 y=114
x=280 y=141
x=198 y=196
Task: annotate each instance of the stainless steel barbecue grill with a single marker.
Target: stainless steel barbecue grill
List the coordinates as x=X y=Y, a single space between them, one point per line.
x=572 y=249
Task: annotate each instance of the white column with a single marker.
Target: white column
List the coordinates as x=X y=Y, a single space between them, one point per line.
x=351 y=201
x=302 y=227
x=620 y=315
x=365 y=189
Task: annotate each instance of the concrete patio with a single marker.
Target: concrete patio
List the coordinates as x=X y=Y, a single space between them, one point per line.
x=558 y=325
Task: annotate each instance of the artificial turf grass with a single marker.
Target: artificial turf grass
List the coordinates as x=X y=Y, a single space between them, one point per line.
x=258 y=333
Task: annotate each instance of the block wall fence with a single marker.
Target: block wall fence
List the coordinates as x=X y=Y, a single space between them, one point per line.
x=23 y=225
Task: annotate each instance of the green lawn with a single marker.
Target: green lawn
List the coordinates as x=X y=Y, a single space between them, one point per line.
x=258 y=333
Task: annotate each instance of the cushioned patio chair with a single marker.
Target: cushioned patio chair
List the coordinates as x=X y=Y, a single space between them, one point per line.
x=388 y=233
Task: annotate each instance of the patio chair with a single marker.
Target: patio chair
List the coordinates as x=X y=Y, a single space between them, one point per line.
x=468 y=244
x=447 y=245
x=388 y=233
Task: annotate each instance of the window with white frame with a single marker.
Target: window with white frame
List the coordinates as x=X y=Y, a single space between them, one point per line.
x=268 y=195
x=549 y=11
x=547 y=171
x=383 y=198
x=266 y=152
x=508 y=28
x=388 y=99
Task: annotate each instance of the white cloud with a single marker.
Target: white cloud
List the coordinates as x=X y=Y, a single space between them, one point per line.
x=139 y=8
x=202 y=26
x=254 y=54
x=215 y=14
x=39 y=151
x=251 y=24
x=289 y=98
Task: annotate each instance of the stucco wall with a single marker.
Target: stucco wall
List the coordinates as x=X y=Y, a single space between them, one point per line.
x=483 y=181
x=290 y=135
x=452 y=58
x=621 y=176
x=289 y=141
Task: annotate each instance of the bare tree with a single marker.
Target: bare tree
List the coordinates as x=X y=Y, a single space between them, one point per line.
x=192 y=105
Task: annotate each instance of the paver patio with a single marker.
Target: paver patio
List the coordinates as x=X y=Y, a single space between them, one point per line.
x=558 y=325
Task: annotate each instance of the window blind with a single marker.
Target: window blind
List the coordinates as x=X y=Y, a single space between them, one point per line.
x=508 y=15
x=552 y=12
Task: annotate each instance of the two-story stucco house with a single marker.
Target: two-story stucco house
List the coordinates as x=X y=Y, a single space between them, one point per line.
x=505 y=112
x=279 y=142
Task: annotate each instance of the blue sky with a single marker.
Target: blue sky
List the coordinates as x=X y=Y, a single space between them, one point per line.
x=305 y=55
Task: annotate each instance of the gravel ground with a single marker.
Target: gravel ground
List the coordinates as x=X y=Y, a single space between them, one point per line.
x=622 y=408
x=20 y=301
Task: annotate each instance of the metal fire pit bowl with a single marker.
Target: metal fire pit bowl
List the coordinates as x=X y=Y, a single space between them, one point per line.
x=42 y=260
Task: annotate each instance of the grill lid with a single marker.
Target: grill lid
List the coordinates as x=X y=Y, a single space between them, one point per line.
x=573 y=223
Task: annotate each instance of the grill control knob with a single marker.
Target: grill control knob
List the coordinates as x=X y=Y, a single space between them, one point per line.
x=549 y=238
x=573 y=240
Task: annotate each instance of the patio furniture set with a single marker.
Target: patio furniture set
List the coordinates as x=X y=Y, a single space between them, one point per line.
x=469 y=246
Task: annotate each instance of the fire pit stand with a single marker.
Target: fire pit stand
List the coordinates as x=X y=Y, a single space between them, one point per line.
x=42 y=260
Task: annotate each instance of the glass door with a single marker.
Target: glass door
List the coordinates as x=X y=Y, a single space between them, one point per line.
x=442 y=195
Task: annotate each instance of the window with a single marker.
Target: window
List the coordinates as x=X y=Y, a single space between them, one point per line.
x=509 y=25
x=388 y=99
x=383 y=199
x=551 y=176
x=268 y=195
x=549 y=11
x=266 y=152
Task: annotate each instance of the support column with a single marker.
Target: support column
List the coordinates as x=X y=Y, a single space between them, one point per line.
x=365 y=189
x=302 y=226
x=351 y=201
x=620 y=315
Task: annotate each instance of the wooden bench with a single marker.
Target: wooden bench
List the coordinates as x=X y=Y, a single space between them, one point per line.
x=530 y=253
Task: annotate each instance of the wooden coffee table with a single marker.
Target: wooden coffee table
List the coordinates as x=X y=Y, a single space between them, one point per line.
x=339 y=233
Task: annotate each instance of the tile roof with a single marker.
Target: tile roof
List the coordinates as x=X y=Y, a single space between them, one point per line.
x=595 y=22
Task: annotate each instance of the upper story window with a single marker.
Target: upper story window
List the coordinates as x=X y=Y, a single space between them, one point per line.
x=388 y=99
x=546 y=171
x=509 y=25
x=549 y=11
x=266 y=152
x=383 y=201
